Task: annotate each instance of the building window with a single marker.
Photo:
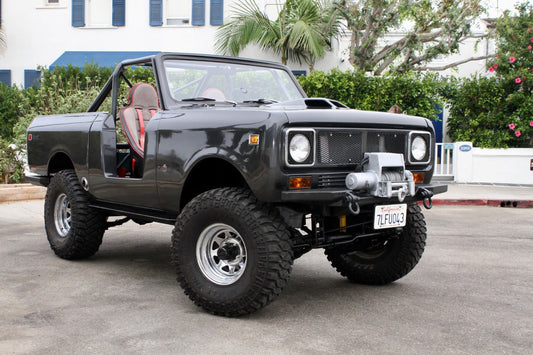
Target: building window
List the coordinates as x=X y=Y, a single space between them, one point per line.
x=5 y=76
x=216 y=13
x=185 y=12
x=176 y=13
x=98 y=13
x=31 y=78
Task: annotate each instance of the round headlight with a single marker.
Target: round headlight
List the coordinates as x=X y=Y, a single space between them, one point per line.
x=418 y=148
x=299 y=148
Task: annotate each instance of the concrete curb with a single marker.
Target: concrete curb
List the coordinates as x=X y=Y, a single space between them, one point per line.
x=484 y=202
x=20 y=192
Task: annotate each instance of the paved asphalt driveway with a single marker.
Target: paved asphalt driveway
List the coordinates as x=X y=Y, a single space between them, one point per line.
x=472 y=293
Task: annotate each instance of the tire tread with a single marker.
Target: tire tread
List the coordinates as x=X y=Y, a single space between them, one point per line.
x=274 y=251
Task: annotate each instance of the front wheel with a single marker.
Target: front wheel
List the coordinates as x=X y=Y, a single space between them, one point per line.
x=232 y=254
x=74 y=229
x=387 y=262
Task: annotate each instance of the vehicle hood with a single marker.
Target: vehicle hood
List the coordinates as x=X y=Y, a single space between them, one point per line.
x=326 y=112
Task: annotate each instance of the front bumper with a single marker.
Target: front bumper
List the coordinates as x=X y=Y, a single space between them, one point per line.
x=336 y=197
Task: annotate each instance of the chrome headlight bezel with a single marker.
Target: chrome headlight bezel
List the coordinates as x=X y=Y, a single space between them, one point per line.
x=416 y=139
x=299 y=133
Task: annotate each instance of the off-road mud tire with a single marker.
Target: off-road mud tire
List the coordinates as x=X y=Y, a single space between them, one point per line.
x=79 y=236
x=395 y=260
x=264 y=238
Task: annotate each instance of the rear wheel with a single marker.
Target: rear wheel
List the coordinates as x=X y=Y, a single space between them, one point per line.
x=74 y=229
x=387 y=261
x=232 y=254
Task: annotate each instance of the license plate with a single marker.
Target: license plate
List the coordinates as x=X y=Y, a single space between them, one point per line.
x=390 y=216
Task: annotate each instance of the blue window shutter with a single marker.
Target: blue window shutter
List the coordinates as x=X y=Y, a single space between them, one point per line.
x=216 y=17
x=198 y=12
x=78 y=13
x=156 y=12
x=5 y=76
x=32 y=77
x=119 y=12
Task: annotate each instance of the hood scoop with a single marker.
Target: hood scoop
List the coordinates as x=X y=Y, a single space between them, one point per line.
x=310 y=103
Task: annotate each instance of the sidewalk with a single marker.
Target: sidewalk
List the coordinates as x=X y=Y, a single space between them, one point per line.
x=458 y=194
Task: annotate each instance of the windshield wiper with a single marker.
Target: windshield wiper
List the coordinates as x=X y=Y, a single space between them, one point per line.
x=260 y=101
x=199 y=99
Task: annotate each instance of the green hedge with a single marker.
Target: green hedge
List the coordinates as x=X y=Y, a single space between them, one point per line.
x=416 y=94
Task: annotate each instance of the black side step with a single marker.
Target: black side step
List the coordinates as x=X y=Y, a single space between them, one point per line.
x=136 y=212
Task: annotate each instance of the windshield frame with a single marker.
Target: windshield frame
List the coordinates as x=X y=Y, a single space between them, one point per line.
x=170 y=101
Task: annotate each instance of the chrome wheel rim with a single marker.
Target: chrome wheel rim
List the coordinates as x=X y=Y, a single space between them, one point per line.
x=221 y=254
x=62 y=215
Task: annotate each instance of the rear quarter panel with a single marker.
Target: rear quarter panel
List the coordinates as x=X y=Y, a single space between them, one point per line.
x=67 y=134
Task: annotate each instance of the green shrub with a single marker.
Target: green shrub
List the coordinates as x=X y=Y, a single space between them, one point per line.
x=416 y=94
x=513 y=68
x=10 y=97
x=11 y=165
x=476 y=113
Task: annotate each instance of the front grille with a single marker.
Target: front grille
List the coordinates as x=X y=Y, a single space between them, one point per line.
x=341 y=147
x=332 y=180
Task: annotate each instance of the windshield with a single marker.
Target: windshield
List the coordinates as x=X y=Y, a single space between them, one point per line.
x=213 y=81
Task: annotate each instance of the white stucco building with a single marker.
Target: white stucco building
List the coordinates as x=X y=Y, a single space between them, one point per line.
x=53 y=32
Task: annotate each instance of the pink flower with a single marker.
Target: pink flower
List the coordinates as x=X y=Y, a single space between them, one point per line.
x=517 y=134
x=512 y=59
x=512 y=126
x=491 y=69
x=528 y=47
x=518 y=80
x=531 y=124
x=495 y=65
x=531 y=40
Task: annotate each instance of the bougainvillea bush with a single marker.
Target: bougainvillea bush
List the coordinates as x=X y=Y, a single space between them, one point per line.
x=496 y=111
x=514 y=66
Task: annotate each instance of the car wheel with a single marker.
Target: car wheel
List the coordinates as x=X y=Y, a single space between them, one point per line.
x=74 y=229
x=388 y=261
x=232 y=254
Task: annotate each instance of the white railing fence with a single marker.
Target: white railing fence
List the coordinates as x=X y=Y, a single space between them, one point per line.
x=444 y=159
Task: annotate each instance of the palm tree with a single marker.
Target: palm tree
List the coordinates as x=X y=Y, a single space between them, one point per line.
x=303 y=30
x=2 y=39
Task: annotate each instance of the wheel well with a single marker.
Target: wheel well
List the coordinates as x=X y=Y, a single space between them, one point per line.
x=59 y=161
x=210 y=174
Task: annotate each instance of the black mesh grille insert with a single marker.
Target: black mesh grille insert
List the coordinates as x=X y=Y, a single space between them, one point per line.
x=347 y=147
x=339 y=147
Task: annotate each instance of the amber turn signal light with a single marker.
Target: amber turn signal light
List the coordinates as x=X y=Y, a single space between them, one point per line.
x=299 y=182
x=418 y=177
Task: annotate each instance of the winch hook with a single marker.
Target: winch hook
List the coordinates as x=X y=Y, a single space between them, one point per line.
x=353 y=206
x=426 y=196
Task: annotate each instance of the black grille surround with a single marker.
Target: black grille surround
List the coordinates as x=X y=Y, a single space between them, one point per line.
x=339 y=151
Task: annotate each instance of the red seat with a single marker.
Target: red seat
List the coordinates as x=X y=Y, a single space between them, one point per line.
x=142 y=105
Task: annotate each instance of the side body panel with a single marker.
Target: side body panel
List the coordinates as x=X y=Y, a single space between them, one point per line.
x=187 y=137
x=59 y=134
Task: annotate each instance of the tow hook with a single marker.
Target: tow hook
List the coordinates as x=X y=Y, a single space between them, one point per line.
x=426 y=196
x=353 y=205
